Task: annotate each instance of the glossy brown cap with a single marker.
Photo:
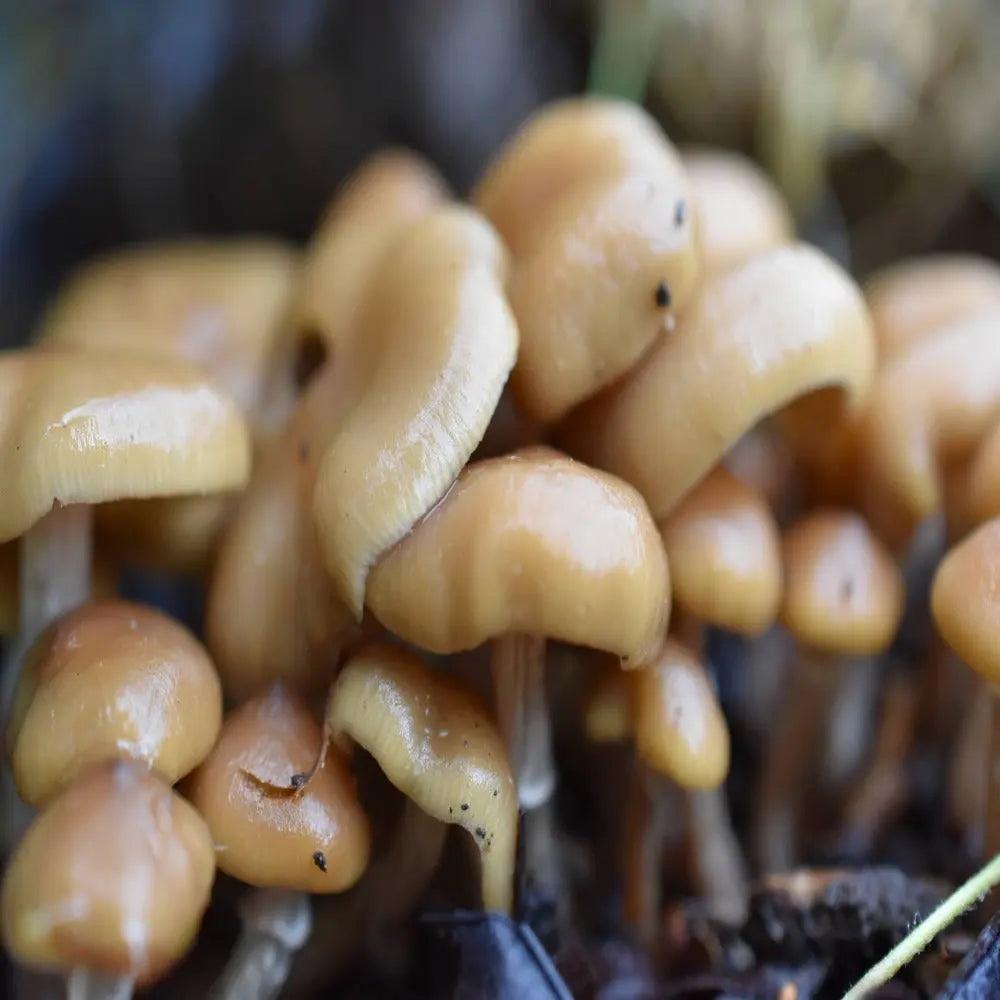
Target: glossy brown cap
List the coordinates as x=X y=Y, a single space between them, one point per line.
x=680 y=730
x=387 y=192
x=438 y=745
x=607 y=710
x=111 y=679
x=315 y=840
x=756 y=337
x=271 y=613
x=740 y=209
x=217 y=304
x=595 y=206
x=843 y=590
x=965 y=600
x=724 y=553
x=922 y=296
x=437 y=343
x=928 y=411
x=113 y=876
x=533 y=543
x=84 y=427
x=981 y=489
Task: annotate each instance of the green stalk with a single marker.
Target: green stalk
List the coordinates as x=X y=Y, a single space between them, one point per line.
x=625 y=48
x=962 y=899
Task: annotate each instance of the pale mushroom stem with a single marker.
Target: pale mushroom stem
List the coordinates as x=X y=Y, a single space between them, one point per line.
x=84 y=984
x=719 y=866
x=791 y=757
x=276 y=924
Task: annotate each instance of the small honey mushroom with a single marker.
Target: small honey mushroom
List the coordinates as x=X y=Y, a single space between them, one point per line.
x=111 y=679
x=843 y=596
x=524 y=548
x=595 y=173
x=740 y=209
x=787 y=325
x=109 y=884
x=311 y=838
x=437 y=744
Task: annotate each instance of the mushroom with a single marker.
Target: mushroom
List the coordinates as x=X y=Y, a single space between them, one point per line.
x=597 y=174
x=386 y=193
x=109 y=884
x=111 y=679
x=412 y=386
x=843 y=596
x=523 y=548
x=79 y=428
x=740 y=210
x=756 y=337
x=981 y=491
x=438 y=745
x=314 y=840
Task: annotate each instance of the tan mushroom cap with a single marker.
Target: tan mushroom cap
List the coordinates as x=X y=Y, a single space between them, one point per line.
x=843 y=590
x=607 y=710
x=111 y=679
x=76 y=427
x=271 y=613
x=534 y=543
x=680 y=730
x=314 y=840
x=593 y=201
x=918 y=297
x=387 y=192
x=439 y=342
x=724 y=553
x=438 y=745
x=113 y=876
x=927 y=412
x=982 y=487
x=740 y=209
x=965 y=600
x=217 y=304
x=756 y=337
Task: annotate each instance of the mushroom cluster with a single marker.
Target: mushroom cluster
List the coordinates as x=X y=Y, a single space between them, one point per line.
x=471 y=491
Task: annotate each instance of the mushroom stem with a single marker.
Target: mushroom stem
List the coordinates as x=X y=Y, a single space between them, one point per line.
x=718 y=861
x=992 y=832
x=276 y=924
x=84 y=984
x=791 y=758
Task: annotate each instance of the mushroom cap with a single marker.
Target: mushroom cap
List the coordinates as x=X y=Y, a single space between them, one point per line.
x=314 y=840
x=113 y=876
x=607 y=711
x=965 y=601
x=679 y=727
x=111 y=679
x=724 y=552
x=272 y=614
x=592 y=200
x=740 y=209
x=535 y=543
x=921 y=296
x=388 y=191
x=756 y=337
x=438 y=745
x=843 y=590
x=928 y=410
x=435 y=349
x=217 y=304
x=84 y=427
x=982 y=487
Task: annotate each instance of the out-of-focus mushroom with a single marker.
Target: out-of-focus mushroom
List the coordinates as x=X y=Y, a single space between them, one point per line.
x=79 y=428
x=597 y=174
x=920 y=297
x=756 y=337
x=966 y=609
x=111 y=679
x=843 y=596
x=524 y=548
x=109 y=883
x=740 y=209
x=438 y=745
x=980 y=494
x=314 y=839
x=387 y=192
